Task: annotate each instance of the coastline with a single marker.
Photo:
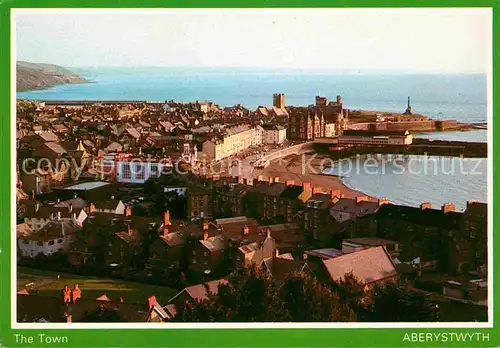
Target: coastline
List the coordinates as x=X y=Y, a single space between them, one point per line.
x=290 y=168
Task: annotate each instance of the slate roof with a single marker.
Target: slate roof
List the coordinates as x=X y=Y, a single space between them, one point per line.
x=199 y=292
x=56 y=147
x=292 y=192
x=49 y=137
x=429 y=217
x=53 y=230
x=214 y=243
x=368 y=265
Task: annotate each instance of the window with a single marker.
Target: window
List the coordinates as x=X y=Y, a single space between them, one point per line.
x=140 y=172
x=154 y=170
x=126 y=174
x=194 y=252
x=473 y=234
x=205 y=254
x=59 y=241
x=110 y=253
x=478 y=254
x=194 y=261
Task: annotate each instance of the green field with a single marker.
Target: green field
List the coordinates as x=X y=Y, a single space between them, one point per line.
x=46 y=283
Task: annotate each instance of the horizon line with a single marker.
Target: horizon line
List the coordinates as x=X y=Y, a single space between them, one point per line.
x=267 y=69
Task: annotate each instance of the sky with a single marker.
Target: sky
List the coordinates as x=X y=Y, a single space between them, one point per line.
x=411 y=40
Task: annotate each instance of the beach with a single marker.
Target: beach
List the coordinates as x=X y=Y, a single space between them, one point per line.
x=292 y=168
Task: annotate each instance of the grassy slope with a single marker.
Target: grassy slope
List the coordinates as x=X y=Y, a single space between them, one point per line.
x=46 y=283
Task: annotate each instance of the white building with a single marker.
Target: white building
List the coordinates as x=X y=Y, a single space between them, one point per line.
x=38 y=215
x=234 y=140
x=351 y=137
x=274 y=134
x=138 y=171
x=57 y=235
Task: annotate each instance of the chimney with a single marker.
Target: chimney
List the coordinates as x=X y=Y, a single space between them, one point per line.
x=383 y=200
x=58 y=200
x=334 y=194
x=289 y=183
x=75 y=196
x=70 y=208
x=306 y=186
x=360 y=199
x=68 y=317
x=76 y=293
x=166 y=218
x=128 y=211
x=245 y=230
x=425 y=205
x=37 y=206
x=316 y=190
x=271 y=179
x=268 y=233
x=448 y=207
x=152 y=301
x=91 y=208
x=58 y=215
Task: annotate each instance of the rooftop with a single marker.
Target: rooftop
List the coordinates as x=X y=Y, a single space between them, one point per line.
x=87 y=185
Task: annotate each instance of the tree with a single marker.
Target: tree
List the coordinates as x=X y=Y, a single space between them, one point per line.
x=102 y=315
x=307 y=300
x=352 y=291
x=249 y=296
x=396 y=303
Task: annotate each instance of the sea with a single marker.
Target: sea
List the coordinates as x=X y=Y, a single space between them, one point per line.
x=451 y=96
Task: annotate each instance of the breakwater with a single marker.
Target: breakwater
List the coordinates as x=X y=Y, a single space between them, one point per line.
x=419 y=147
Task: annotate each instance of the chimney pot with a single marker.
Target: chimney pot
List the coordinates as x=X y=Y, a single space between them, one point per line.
x=316 y=189
x=360 y=199
x=306 y=186
x=383 y=200
x=425 y=205
x=448 y=207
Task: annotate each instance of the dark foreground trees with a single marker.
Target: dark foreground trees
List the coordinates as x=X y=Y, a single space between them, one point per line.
x=252 y=296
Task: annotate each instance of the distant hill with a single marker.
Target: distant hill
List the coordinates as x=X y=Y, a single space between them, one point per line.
x=37 y=75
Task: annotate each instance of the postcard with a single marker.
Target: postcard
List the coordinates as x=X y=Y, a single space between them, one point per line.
x=248 y=177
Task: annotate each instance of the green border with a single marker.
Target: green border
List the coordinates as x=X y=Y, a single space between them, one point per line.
x=222 y=337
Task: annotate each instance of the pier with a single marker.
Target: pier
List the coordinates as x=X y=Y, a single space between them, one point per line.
x=419 y=147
